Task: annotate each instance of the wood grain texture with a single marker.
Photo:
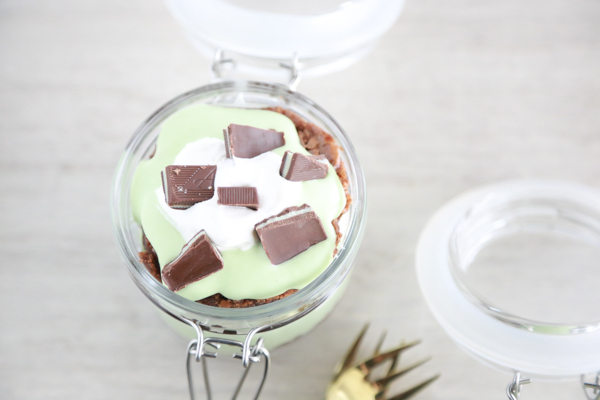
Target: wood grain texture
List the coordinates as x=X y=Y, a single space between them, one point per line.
x=456 y=95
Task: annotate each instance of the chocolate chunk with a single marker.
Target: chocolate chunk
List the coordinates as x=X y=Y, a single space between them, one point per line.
x=238 y=196
x=290 y=232
x=247 y=142
x=198 y=259
x=186 y=185
x=297 y=167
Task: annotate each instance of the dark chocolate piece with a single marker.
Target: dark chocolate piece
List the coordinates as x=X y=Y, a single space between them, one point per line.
x=290 y=232
x=297 y=167
x=198 y=259
x=238 y=196
x=186 y=185
x=247 y=142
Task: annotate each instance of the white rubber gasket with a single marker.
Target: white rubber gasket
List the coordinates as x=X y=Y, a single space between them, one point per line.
x=481 y=334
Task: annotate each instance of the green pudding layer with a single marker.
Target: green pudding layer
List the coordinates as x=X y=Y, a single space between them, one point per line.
x=247 y=274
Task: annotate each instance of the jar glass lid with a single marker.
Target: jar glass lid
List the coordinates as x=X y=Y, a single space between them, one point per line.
x=511 y=272
x=325 y=35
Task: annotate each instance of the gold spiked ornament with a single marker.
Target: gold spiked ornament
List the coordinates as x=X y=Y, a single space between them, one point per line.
x=356 y=382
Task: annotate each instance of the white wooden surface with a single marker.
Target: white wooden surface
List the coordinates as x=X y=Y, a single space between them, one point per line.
x=458 y=94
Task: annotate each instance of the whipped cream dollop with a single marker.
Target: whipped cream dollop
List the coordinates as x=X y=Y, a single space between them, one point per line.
x=231 y=227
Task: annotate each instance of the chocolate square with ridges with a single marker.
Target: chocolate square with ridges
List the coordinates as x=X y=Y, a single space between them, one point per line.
x=247 y=141
x=186 y=185
x=198 y=259
x=298 y=167
x=290 y=233
x=240 y=196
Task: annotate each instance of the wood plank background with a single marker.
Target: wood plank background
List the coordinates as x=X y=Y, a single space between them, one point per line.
x=458 y=94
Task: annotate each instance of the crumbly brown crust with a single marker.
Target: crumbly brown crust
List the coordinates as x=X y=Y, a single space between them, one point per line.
x=316 y=141
x=150 y=259
x=218 y=300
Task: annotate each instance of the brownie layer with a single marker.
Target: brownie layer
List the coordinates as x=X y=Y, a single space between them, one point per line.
x=218 y=300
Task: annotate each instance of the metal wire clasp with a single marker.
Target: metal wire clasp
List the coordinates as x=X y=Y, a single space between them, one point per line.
x=594 y=393
x=221 y=62
x=218 y=64
x=591 y=390
x=250 y=355
x=513 y=390
x=294 y=68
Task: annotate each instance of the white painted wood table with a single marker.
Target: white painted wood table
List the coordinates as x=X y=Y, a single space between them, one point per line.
x=456 y=95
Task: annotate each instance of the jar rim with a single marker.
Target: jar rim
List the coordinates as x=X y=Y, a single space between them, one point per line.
x=280 y=312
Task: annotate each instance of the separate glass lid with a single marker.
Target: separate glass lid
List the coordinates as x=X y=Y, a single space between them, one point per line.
x=510 y=271
x=259 y=35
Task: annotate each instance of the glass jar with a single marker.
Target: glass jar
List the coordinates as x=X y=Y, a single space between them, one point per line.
x=279 y=321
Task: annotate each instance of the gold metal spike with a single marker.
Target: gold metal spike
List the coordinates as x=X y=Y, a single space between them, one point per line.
x=354 y=382
x=407 y=394
x=380 y=343
x=386 y=381
x=394 y=362
x=378 y=347
x=383 y=390
x=378 y=359
x=351 y=354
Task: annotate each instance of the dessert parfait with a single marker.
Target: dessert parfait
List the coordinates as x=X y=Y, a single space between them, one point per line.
x=242 y=210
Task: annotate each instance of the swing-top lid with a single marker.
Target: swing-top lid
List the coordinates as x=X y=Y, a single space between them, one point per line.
x=259 y=35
